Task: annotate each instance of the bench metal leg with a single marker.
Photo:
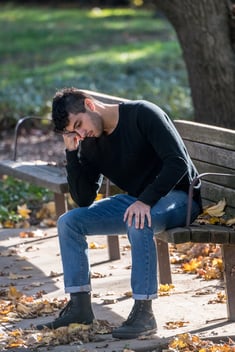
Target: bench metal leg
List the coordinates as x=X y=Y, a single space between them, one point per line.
x=164 y=268
x=60 y=204
x=228 y=251
x=113 y=247
x=113 y=241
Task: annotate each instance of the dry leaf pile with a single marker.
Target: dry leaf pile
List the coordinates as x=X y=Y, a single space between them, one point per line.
x=187 y=342
x=203 y=259
x=216 y=215
x=73 y=334
x=15 y=306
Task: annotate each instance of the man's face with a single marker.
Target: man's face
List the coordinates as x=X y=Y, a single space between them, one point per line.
x=87 y=124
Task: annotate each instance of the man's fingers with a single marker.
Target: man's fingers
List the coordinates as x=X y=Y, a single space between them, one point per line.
x=140 y=212
x=149 y=220
x=138 y=220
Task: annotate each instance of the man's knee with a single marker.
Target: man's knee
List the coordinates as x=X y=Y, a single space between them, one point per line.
x=65 y=220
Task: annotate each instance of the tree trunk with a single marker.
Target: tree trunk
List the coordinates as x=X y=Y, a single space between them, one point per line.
x=204 y=31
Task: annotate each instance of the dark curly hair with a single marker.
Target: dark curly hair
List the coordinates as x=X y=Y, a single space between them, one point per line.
x=66 y=101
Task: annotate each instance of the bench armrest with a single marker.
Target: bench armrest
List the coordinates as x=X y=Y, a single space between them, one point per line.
x=190 y=194
x=16 y=131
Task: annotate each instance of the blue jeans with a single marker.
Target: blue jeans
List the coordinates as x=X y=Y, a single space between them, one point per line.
x=105 y=217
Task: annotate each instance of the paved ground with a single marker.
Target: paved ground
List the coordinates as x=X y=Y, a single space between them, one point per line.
x=187 y=302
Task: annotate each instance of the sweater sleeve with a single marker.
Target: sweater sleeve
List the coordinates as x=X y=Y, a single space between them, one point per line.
x=83 y=180
x=160 y=132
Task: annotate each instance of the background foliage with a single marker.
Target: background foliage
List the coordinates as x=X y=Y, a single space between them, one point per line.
x=131 y=52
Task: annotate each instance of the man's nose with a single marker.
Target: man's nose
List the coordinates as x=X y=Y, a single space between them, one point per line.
x=81 y=133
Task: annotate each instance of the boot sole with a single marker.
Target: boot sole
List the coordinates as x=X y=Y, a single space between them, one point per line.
x=133 y=335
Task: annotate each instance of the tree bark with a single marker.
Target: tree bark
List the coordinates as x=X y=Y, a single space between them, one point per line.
x=203 y=28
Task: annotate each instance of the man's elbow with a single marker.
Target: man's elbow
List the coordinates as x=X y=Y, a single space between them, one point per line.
x=83 y=201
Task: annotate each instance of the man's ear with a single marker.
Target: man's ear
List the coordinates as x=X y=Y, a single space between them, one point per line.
x=89 y=104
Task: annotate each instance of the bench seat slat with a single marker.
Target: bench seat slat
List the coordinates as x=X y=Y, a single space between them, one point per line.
x=39 y=173
x=199 y=234
x=210 y=234
x=176 y=235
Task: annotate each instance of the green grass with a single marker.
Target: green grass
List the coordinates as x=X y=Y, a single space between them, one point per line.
x=126 y=52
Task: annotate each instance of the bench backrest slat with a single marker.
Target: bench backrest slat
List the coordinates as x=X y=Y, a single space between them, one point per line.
x=211 y=154
x=220 y=180
x=212 y=149
x=213 y=193
x=206 y=134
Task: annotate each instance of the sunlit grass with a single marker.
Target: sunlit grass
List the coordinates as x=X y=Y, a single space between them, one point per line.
x=128 y=52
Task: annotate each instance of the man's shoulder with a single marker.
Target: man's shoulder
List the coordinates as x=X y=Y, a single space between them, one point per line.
x=143 y=108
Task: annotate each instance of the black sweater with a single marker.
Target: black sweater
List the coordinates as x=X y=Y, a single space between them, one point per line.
x=144 y=156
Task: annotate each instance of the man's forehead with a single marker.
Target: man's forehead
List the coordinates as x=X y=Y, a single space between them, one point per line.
x=74 y=117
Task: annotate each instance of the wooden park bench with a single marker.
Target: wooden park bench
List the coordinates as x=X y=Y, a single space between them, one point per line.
x=213 y=152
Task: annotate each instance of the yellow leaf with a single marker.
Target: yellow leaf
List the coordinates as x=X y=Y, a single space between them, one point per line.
x=192 y=265
x=13 y=293
x=166 y=287
x=230 y=222
x=175 y=324
x=15 y=333
x=94 y=245
x=23 y=211
x=99 y=196
x=217 y=209
x=16 y=343
x=8 y=224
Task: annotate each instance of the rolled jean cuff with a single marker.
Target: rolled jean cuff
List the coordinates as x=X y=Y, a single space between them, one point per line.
x=144 y=297
x=75 y=289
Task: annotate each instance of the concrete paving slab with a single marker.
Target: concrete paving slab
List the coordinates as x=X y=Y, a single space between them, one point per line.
x=35 y=264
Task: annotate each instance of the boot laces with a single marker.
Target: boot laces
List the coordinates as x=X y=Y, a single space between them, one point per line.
x=137 y=308
x=66 y=309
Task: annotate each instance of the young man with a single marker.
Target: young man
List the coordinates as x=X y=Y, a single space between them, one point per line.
x=137 y=147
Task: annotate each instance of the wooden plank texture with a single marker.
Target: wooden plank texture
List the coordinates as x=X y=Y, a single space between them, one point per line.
x=225 y=181
x=210 y=234
x=176 y=235
x=212 y=155
x=199 y=234
x=214 y=193
x=39 y=173
x=163 y=262
x=217 y=136
x=229 y=277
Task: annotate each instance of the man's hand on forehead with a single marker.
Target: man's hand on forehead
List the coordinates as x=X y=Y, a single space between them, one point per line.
x=71 y=140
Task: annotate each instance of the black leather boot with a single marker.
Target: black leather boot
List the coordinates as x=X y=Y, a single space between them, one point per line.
x=78 y=310
x=140 y=322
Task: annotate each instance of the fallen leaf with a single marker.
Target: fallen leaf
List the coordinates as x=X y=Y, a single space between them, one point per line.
x=96 y=275
x=175 y=324
x=14 y=294
x=23 y=211
x=216 y=210
x=94 y=245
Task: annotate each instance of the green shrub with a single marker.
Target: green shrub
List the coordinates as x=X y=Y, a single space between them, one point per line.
x=14 y=193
